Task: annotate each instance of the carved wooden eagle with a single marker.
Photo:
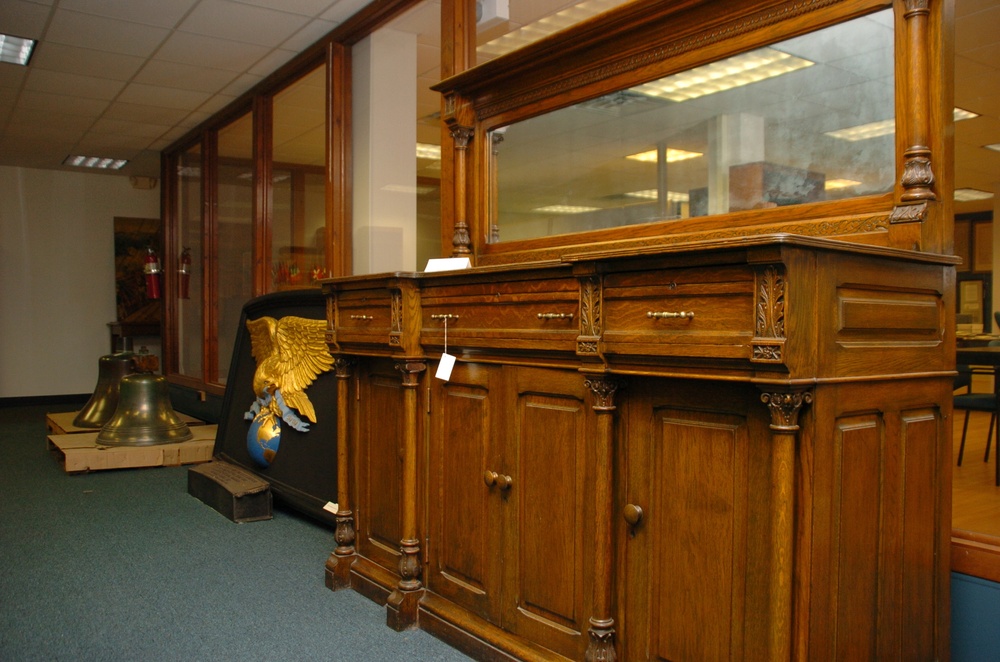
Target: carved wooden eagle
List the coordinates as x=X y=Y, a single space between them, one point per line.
x=290 y=353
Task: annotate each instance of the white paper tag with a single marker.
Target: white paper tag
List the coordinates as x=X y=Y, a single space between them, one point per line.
x=447 y=264
x=445 y=367
x=331 y=507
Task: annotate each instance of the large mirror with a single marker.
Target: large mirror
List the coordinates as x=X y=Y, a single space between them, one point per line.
x=803 y=120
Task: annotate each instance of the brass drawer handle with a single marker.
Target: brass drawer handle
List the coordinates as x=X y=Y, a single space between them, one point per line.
x=555 y=316
x=668 y=315
x=363 y=318
x=446 y=316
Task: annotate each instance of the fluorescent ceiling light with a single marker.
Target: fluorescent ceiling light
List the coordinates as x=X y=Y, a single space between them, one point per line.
x=99 y=162
x=653 y=194
x=566 y=209
x=427 y=151
x=995 y=147
x=672 y=155
x=885 y=127
x=727 y=74
x=16 y=50
x=545 y=26
x=832 y=184
x=968 y=194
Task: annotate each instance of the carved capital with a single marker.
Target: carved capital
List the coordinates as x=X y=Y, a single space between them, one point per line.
x=461 y=135
x=411 y=371
x=918 y=177
x=604 y=390
x=914 y=7
x=785 y=407
x=343 y=367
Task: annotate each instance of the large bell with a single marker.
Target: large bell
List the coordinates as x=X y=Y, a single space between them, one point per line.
x=144 y=416
x=102 y=404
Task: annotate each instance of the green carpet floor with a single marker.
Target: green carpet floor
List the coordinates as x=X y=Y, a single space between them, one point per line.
x=125 y=565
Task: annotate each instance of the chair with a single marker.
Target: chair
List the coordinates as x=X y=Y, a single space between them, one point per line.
x=971 y=401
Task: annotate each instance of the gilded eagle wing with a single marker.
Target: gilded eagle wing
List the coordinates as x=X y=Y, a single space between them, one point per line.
x=301 y=355
x=261 y=337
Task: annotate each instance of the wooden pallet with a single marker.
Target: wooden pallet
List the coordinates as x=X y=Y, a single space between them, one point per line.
x=80 y=452
x=62 y=422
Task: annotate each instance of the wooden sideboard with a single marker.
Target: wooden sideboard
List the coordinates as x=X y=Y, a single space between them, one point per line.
x=730 y=450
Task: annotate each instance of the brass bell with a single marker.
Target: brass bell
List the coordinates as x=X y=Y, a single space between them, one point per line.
x=144 y=416
x=101 y=405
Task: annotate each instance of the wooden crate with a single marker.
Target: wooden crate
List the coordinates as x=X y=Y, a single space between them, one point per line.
x=62 y=422
x=80 y=452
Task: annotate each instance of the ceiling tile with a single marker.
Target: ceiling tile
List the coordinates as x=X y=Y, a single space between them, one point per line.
x=23 y=19
x=271 y=62
x=184 y=76
x=194 y=49
x=344 y=9
x=309 y=8
x=307 y=36
x=162 y=96
x=145 y=113
x=104 y=34
x=238 y=22
x=241 y=85
x=126 y=128
x=147 y=12
x=70 y=105
x=12 y=76
x=102 y=144
x=87 y=87
x=85 y=61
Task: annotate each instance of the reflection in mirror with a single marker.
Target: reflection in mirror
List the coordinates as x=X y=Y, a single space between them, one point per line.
x=234 y=264
x=803 y=120
x=190 y=230
x=298 y=221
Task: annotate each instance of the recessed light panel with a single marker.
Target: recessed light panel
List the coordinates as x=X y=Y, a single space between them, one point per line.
x=99 y=162
x=969 y=194
x=16 y=50
x=566 y=209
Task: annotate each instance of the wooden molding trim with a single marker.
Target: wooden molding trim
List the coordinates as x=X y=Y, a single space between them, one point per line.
x=975 y=554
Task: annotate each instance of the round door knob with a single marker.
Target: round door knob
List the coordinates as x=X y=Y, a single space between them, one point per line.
x=490 y=478
x=504 y=482
x=632 y=514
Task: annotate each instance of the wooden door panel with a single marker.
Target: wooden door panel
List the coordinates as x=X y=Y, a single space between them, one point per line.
x=548 y=591
x=380 y=465
x=466 y=522
x=697 y=525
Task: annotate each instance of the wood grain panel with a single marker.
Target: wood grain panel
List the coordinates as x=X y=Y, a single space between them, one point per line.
x=379 y=512
x=858 y=498
x=466 y=524
x=697 y=518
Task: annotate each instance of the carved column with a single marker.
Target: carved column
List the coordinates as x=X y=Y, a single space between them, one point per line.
x=338 y=566
x=918 y=177
x=784 y=407
x=461 y=241
x=602 y=624
x=401 y=606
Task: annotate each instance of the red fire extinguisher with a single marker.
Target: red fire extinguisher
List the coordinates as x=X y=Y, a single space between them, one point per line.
x=152 y=270
x=184 y=281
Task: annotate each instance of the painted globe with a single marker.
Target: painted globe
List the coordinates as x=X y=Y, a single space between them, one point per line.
x=263 y=438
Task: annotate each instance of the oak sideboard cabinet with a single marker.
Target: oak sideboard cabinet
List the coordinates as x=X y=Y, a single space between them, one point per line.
x=703 y=356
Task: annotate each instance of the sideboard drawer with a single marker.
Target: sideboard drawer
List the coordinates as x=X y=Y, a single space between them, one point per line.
x=541 y=314
x=364 y=316
x=683 y=312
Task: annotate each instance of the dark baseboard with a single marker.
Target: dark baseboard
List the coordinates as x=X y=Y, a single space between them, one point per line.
x=35 y=400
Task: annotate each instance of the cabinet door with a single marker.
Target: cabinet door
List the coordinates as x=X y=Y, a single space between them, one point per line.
x=548 y=591
x=379 y=433
x=694 y=460
x=464 y=511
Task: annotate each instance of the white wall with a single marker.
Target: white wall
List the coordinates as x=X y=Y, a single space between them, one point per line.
x=384 y=97
x=57 y=275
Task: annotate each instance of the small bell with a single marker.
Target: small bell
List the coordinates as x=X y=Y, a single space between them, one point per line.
x=144 y=416
x=110 y=371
